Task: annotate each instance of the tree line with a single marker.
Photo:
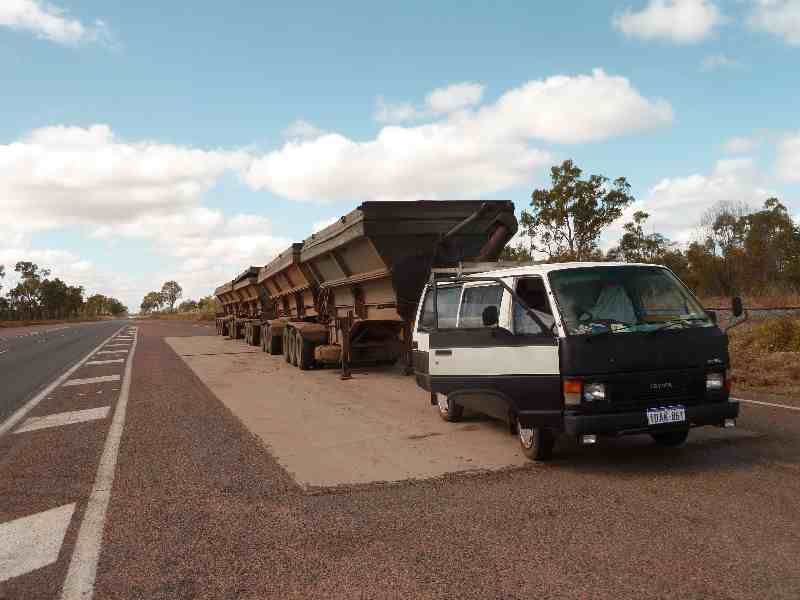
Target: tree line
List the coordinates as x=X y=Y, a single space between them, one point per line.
x=38 y=296
x=738 y=249
x=171 y=292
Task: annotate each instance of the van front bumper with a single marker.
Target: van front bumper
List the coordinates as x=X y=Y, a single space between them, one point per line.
x=636 y=422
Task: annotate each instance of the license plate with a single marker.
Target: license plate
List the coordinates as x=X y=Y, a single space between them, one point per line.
x=668 y=414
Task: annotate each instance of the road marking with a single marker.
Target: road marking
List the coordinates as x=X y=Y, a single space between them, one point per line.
x=118 y=346
x=79 y=583
x=33 y=542
x=767 y=404
x=113 y=352
x=31 y=404
x=90 y=380
x=65 y=418
x=110 y=361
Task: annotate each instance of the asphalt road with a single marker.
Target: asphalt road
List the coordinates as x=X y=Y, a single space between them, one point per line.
x=32 y=357
x=198 y=507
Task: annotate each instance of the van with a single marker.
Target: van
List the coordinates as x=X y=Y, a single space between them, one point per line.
x=582 y=349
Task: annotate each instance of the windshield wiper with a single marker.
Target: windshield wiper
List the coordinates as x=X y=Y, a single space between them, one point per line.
x=672 y=322
x=608 y=331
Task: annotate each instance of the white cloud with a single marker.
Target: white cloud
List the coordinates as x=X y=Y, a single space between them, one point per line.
x=454 y=97
x=400 y=112
x=778 y=17
x=440 y=101
x=676 y=205
x=61 y=175
x=740 y=145
x=473 y=151
x=49 y=22
x=320 y=225
x=678 y=21
x=716 y=62
x=303 y=130
x=788 y=164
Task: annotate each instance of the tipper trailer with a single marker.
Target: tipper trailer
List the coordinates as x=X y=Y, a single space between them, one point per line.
x=241 y=304
x=348 y=293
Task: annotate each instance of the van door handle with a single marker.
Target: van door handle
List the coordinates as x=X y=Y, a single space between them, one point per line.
x=443 y=353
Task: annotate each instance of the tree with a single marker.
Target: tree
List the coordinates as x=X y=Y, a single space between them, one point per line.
x=171 y=291
x=187 y=306
x=26 y=296
x=567 y=219
x=638 y=246
x=54 y=298
x=2 y=274
x=151 y=301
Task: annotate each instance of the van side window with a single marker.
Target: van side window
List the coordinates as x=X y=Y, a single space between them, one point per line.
x=475 y=300
x=534 y=294
x=447 y=304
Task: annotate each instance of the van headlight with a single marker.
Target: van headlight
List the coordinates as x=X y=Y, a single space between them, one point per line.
x=715 y=381
x=592 y=392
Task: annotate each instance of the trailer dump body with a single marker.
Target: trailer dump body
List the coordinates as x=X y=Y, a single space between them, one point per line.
x=239 y=300
x=224 y=294
x=348 y=293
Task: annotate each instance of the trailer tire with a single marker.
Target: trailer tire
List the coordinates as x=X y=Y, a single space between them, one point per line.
x=274 y=344
x=448 y=409
x=293 y=348
x=671 y=439
x=537 y=442
x=305 y=354
x=287 y=345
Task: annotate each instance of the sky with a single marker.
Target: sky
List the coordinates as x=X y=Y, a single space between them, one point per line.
x=146 y=141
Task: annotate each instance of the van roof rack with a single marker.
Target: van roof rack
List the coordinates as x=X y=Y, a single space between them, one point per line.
x=470 y=268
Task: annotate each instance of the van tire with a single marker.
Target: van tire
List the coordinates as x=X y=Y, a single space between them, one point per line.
x=305 y=353
x=671 y=439
x=448 y=409
x=536 y=443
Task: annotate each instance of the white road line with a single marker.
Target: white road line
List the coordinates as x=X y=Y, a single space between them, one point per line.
x=79 y=583
x=113 y=352
x=90 y=380
x=786 y=406
x=33 y=542
x=110 y=361
x=118 y=346
x=31 y=404
x=65 y=418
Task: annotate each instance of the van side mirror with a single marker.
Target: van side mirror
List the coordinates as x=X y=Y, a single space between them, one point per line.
x=491 y=316
x=736 y=306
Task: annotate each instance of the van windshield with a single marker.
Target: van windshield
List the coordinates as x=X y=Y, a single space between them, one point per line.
x=618 y=299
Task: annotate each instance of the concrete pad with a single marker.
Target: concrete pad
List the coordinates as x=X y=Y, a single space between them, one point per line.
x=377 y=426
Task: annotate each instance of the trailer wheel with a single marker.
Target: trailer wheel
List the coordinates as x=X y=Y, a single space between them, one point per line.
x=287 y=345
x=293 y=353
x=305 y=353
x=448 y=409
x=273 y=344
x=536 y=442
x=671 y=439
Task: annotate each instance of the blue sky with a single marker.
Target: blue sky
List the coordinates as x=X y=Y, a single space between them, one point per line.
x=143 y=141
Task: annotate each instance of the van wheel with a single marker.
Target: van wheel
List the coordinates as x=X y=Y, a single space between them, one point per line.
x=305 y=353
x=671 y=438
x=448 y=409
x=536 y=442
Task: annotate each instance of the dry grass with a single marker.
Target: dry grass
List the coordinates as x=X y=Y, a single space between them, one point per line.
x=765 y=355
x=180 y=316
x=755 y=301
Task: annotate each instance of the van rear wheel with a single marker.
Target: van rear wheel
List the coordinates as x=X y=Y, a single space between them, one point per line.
x=536 y=442
x=671 y=439
x=448 y=409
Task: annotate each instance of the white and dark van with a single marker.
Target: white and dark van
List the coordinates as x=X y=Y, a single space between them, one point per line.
x=585 y=349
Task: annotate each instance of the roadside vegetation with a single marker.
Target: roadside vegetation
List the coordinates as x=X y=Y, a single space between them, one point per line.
x=161 y=305
x=738 y=250
x=765 y=355
x=40 y=298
